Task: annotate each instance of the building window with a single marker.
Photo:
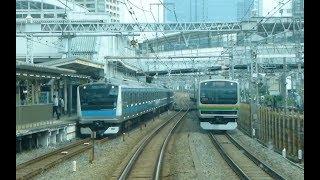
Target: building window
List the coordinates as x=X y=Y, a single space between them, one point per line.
x=48 y=15
x=35 y=5
x=61 y=15
x=36 y=15
x=101 y=8
x=90 y=5
x=22 y=5
x=47 y=6
x=18 y=15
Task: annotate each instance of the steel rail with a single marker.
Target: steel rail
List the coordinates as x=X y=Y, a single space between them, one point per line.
x=134 y=158
x=228 y=159
x=259 y=163
x=26 y=171
x=164 y=146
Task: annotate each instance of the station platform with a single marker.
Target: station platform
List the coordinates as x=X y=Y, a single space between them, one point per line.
x=45 y=133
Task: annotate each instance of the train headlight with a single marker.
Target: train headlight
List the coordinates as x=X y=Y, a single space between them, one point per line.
x=84 y=87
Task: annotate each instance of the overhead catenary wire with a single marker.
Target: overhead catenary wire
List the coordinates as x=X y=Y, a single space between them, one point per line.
x=259 y=23
x=135 y=19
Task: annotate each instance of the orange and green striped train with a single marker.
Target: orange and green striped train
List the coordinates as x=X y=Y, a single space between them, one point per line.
x=215 y=107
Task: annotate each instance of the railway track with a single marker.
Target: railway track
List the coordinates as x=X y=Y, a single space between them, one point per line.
x=146 y=161
x=244 y=164
x=37 y=165
x=42 y=163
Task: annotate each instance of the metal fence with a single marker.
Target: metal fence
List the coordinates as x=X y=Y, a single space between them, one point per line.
x=277 y=128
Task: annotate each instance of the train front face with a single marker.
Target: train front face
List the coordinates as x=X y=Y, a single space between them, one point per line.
x=218 y=104
x=100 y=108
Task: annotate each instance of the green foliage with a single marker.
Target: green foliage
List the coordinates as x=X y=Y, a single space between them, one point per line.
x=263 y=89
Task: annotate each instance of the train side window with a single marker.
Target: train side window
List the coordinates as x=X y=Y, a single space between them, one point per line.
x=143 y=95
x=146 y=98
x=124 y=98
x=130 y=98
x=135 y=97
x=127 y=98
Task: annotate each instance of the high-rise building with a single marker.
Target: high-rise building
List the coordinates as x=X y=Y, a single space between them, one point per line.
x=111 y=7
x=298 y=8
x=240 y=10
x=257 y=9
x=200 y=10
x=277 y=8
x=244 y=8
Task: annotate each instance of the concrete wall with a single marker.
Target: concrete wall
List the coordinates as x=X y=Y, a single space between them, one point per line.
x=33 y=113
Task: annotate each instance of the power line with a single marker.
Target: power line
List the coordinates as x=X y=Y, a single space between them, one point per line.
x=247 y=10
x=137 y=22
x=260 y=22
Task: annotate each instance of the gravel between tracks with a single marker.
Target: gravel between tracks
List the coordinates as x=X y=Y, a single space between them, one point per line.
x=271 y=158
x=191 y=155
x=108 y=156
x=31 y=154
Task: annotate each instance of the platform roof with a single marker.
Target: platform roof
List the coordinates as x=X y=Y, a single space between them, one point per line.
x=81 y=66
x=42 y=68
x=43 y=71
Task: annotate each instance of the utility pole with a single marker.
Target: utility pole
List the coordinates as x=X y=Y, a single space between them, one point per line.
x=231 y=69
x=29 y=37
x=285 y=84
x=29 y=55
x=156 y=4
x=254 y=92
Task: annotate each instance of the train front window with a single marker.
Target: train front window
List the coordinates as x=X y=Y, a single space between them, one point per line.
x=98 y=97
x=218 y=92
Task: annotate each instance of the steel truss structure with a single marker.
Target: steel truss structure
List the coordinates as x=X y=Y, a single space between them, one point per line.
x=269 y=26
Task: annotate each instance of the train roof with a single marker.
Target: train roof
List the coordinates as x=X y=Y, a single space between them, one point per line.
x=128 y=84
x=228 y=80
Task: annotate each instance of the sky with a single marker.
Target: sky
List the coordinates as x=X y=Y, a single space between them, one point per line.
x=146 y=16
x=141 y=8
x=147 y=11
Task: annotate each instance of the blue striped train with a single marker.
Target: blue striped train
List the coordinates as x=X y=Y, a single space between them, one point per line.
x=112 y=106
